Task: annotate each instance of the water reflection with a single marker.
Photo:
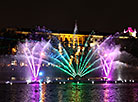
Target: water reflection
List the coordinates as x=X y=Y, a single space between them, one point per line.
x=60 y=96
x=120 y=92
x=135 y=93
x=75 y=92
x=106 y=95
x=42 y=92
x=109 y=93
x=35 y=93
x=70 y=92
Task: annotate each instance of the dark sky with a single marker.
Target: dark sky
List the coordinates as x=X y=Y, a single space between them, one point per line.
x=100 y=15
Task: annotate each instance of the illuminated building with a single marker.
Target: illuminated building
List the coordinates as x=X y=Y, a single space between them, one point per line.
x=11 y=36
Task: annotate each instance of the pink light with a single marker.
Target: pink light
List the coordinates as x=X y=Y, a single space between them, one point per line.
x=129 y=30
x=108 y=52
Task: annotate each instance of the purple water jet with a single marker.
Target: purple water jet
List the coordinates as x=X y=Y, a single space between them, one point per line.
x=34 y=52
x=108 y=52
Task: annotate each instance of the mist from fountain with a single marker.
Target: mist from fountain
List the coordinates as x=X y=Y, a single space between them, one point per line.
x=108 y=52
x=33 y=52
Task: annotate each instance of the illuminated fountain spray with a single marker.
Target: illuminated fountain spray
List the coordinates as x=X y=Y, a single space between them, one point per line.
x=108 y=52
x=33 y=52
x=78 y=63
x=84 y=60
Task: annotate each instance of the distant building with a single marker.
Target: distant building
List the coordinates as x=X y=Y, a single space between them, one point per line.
x=11 y=36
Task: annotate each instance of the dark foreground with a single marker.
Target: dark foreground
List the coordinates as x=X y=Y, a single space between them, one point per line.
x=69 y=92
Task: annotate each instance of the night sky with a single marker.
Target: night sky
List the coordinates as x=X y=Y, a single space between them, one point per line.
x=100 y=15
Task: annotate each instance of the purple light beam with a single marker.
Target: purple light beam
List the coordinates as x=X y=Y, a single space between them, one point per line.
x=34 y=53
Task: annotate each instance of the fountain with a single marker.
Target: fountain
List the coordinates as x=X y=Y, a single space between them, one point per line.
x=108 y=53
x=33 y=52
x=74 y=64
x=76 y=61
